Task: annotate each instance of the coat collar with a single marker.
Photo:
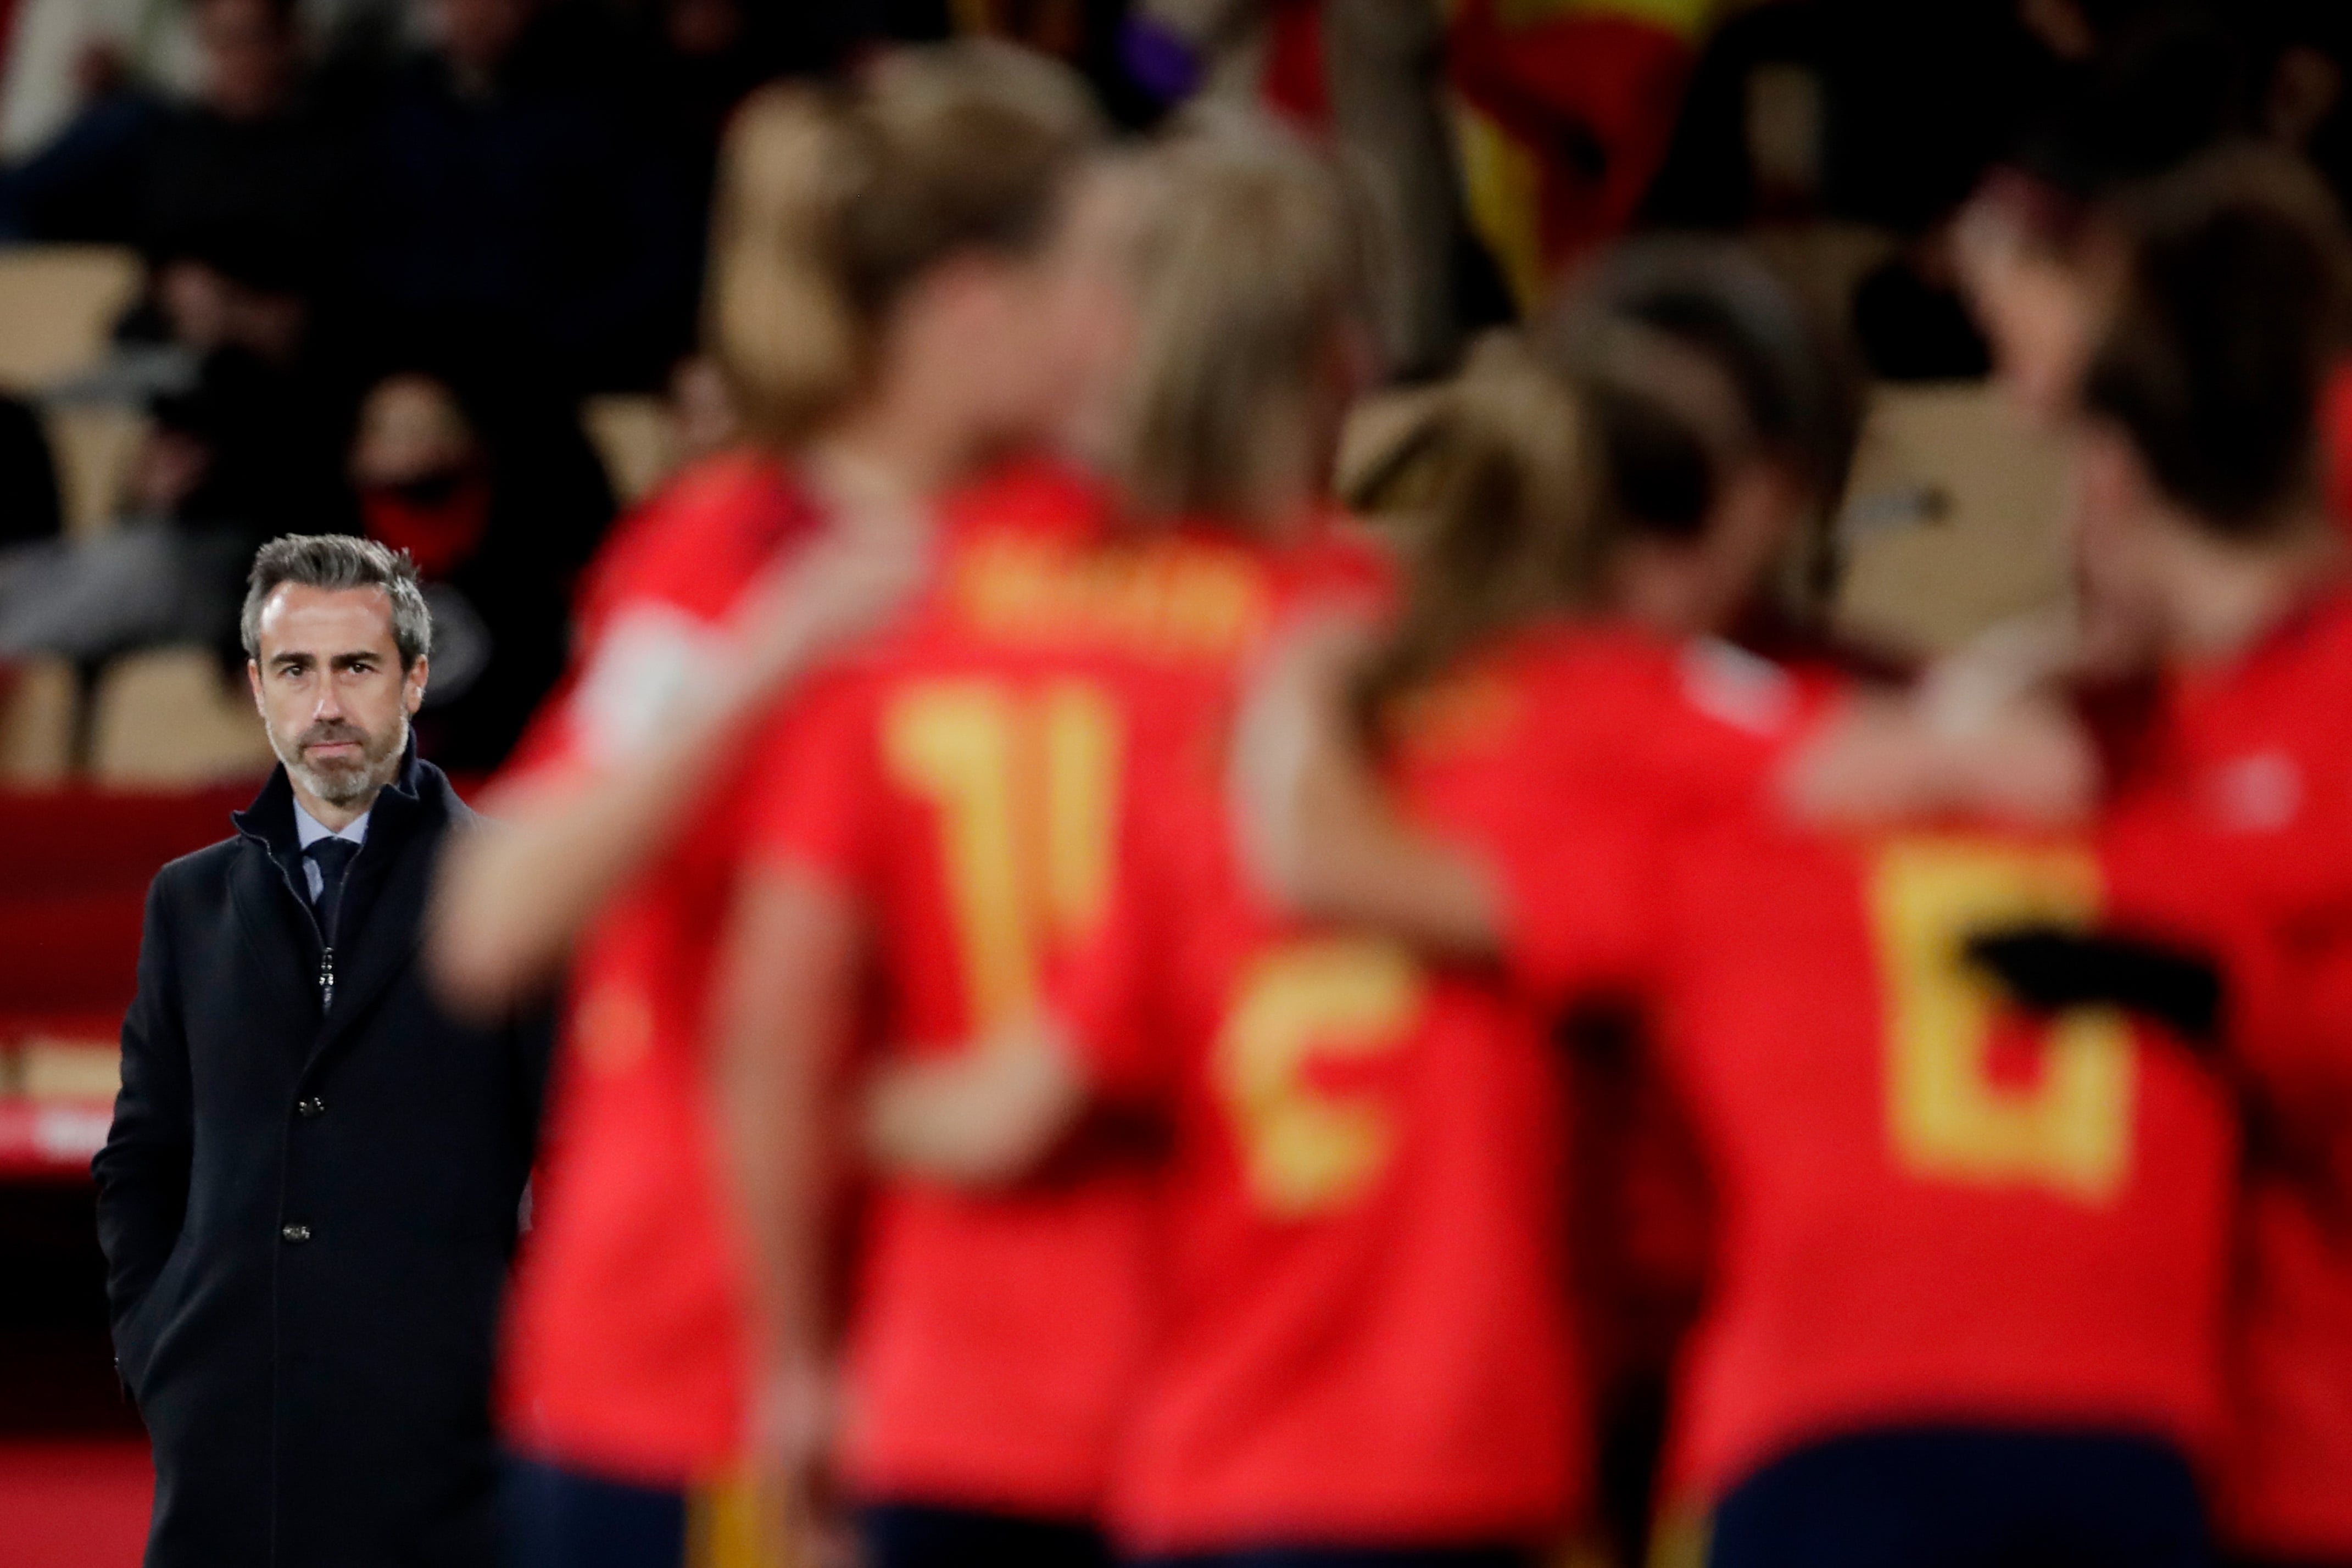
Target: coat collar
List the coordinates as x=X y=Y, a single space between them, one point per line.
x=388 y=887
x=418 y=793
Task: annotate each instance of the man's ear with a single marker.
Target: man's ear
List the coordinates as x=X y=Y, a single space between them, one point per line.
x=253 y=679
x=412 y=689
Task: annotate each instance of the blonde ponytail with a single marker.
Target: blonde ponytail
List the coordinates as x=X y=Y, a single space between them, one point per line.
x=832 y=202
x=779 y=322
x=1513 y=528
x=1253 y=273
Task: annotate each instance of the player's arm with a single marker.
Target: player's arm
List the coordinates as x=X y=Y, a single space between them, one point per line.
x=1317 y=824
x=784 y=1012
x=512 y=898
x=992 y=1111
x=1889 y=757
x=981 y=1115
x=1987 y=731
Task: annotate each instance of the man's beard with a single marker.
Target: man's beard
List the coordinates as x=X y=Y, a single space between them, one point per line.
x=341 y=783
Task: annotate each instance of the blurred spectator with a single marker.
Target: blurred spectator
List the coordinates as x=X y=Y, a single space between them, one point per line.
x=1369 y=75
x=499 y=499
x=1850 y=108
x=253 y=163
x=1384 y=62
x=64 y=55
x=506 y=208
x=1888 y=116
x=245 y=453
x=695 y=60
x=263 y=424
x=28 y=477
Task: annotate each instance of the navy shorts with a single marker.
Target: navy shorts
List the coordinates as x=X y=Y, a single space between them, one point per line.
x=918 y=1535
x=1962 y=1497
x=557 y=1518
x=1352 y=1557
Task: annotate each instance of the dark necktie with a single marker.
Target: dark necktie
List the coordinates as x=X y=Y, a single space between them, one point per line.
x=333 y=858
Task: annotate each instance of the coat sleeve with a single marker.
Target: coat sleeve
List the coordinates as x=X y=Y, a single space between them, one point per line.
x=143 y=1172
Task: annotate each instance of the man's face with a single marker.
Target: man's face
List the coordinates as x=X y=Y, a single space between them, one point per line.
x=480 y=34
x=333 y=697
x=248 y=57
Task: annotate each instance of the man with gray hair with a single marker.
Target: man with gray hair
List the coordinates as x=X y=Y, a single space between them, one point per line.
x=309 y=1195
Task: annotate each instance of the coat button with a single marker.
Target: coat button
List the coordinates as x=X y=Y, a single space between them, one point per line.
x=295 y=1233
x=313 y=1106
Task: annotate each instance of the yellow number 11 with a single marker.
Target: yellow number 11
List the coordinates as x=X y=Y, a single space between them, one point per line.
x=1025 y=783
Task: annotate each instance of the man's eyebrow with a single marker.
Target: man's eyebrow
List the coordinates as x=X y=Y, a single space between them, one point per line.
x=348 y=656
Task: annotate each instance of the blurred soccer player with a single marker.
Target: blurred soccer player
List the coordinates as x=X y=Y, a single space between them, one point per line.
x=2205 y=536
x=889 y=302
x=1968 y=1271
x=1364 y=1353
x=948 y=834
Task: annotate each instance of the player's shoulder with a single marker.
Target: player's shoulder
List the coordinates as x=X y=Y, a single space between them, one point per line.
x=690 y=542
x=1034 y=496
x=1576 y=669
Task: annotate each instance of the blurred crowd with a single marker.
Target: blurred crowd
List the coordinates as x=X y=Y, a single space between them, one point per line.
x=391 y=243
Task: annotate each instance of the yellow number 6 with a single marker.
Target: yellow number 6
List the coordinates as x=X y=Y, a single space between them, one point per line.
x=1304 y=1152
x=1948 y=1119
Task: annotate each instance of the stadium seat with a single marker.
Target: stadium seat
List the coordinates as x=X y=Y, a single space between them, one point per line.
x=58 y=306
x=36 y=715
x=633 y=435
x=1954 y=518
x=77 y=1067
x=94 y=445
x=167 y=719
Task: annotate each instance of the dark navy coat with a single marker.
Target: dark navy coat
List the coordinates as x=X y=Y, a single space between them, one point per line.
x=307 y=1214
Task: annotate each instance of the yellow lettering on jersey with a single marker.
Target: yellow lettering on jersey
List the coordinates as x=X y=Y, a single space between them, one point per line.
x=1165 y=597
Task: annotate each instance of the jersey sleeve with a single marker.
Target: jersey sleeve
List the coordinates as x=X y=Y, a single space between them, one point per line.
x=816 y=791
x=1570 y=859
x=1577 y=910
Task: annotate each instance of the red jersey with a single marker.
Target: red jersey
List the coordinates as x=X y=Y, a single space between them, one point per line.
x=626 y=1348
x=1927 y=1208
x=966 y=786
x=2336 y=442
x=1367 y=1339
x=2233 y=830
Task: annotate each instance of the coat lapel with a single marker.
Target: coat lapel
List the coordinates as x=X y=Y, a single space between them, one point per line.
x=273 y=935
x=382 y=942
x=386 y=919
